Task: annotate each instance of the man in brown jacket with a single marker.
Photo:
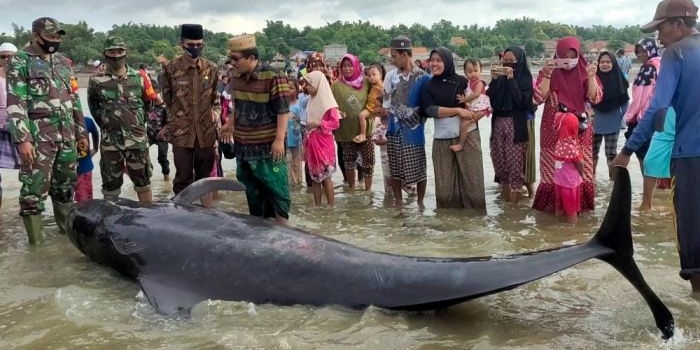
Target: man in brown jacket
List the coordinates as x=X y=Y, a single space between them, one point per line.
x=189 y=92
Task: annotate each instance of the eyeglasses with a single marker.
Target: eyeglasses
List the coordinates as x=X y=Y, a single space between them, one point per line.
x=235 y=57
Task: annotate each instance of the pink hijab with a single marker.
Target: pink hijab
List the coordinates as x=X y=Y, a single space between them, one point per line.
x=357 y=76
x=569 y=84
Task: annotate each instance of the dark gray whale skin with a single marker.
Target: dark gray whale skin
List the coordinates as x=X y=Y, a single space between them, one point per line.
x=182 y=254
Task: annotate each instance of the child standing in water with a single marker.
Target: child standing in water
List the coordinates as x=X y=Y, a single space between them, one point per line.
x=373 y=100
x=322 y=117
x=474 y=99
x=568 y=167
x=294 y=152
x=83 y=187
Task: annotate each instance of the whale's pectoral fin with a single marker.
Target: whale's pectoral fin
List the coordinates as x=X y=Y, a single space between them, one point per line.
x=168 y=296
x=207 y=185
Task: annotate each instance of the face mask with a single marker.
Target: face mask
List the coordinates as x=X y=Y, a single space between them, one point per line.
x=49 y=46
x=115 y=62
x=193 y=52
x=566 y=63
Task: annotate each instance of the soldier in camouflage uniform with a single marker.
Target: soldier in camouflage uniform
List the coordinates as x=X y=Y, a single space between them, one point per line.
x=118 y=101
x=45 y=120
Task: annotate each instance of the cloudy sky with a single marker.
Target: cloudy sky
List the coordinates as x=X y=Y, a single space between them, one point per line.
x=239 y=16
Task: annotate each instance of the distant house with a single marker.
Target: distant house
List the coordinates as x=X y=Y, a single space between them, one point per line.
x=458 y=41
x=334 y=52
x=419 y=53
x=550 y=48
x=595 y=48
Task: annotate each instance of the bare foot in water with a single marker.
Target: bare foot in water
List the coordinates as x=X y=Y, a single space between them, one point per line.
x=644 y=207
x=456 y=148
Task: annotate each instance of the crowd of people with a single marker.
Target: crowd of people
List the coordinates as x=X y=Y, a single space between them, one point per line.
x=290 y=130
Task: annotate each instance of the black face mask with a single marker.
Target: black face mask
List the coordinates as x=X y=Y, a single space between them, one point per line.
x=193 y=52
x=49 y=46
x=115 y=63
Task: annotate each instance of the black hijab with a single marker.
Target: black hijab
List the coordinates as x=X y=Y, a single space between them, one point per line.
x=500 y=95
x=614 y=85
x=443 y=89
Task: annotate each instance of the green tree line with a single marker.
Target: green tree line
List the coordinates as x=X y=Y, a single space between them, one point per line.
x=146 y=41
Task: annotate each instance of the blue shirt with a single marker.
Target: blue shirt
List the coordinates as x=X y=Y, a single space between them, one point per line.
x=294 y=127
x=677 y=87
x=85 y=164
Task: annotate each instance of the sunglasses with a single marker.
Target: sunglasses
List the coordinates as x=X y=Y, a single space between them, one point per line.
x=235 y=57
x=4 y=57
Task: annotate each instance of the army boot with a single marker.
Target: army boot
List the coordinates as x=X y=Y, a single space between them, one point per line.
x=60 y=213
x=32 y=224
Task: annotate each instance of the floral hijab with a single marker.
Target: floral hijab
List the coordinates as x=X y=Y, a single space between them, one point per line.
x=649 y=71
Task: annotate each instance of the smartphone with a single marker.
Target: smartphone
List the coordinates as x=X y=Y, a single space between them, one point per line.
x=497 y=69
x=563 y=63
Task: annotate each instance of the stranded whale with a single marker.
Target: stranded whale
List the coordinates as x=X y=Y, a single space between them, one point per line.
x=182 y=254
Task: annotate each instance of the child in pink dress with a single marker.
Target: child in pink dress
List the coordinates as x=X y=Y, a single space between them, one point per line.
x=322 y=117
x=568 y=167
x=474 y=98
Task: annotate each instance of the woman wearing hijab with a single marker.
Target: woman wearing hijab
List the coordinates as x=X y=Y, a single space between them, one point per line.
x=568 y=87
x=459 y=176
x=322 y=118
x=350 y=92
x=647 y=51
x=609 y=112
x=511 y=101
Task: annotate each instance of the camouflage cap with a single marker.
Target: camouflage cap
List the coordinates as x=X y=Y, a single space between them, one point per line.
x=114 y=42
x=47 y=25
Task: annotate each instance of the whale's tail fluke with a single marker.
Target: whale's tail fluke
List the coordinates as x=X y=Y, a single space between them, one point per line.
x=616 y=233
x=207 y=185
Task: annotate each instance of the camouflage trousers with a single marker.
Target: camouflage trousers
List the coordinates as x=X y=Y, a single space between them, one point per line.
x=52 y=173
x=137 y=163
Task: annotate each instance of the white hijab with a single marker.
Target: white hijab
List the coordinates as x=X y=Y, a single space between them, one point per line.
x=322 y=101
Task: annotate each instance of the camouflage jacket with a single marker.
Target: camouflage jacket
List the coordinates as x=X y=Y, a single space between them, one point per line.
x=118 y=105
x=42 y=99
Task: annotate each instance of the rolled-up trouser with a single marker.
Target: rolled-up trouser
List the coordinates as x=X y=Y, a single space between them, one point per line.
x=138 y=164
x=686 y=207
x=53 y=172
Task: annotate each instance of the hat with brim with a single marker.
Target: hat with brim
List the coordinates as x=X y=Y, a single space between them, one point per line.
x=47 y=25
x=671 y=9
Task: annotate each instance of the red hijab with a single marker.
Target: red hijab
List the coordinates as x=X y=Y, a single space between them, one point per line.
x=570 y=84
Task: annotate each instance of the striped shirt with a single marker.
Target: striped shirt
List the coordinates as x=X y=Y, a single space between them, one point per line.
x=189 y=92
x=259 y=97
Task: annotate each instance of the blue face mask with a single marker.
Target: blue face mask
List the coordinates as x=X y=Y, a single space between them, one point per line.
x=193 y=52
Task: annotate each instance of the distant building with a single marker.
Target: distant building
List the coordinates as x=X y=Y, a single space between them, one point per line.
x=334 y=52
x=595 y=48
x=458 y=41
x=419 y=53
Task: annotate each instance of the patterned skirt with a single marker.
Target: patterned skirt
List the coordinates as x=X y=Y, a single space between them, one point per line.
x=459 y=176
x=545 y=197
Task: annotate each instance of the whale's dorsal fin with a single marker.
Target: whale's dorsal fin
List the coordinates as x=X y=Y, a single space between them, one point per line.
x=201 y=187
x=168 y=296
